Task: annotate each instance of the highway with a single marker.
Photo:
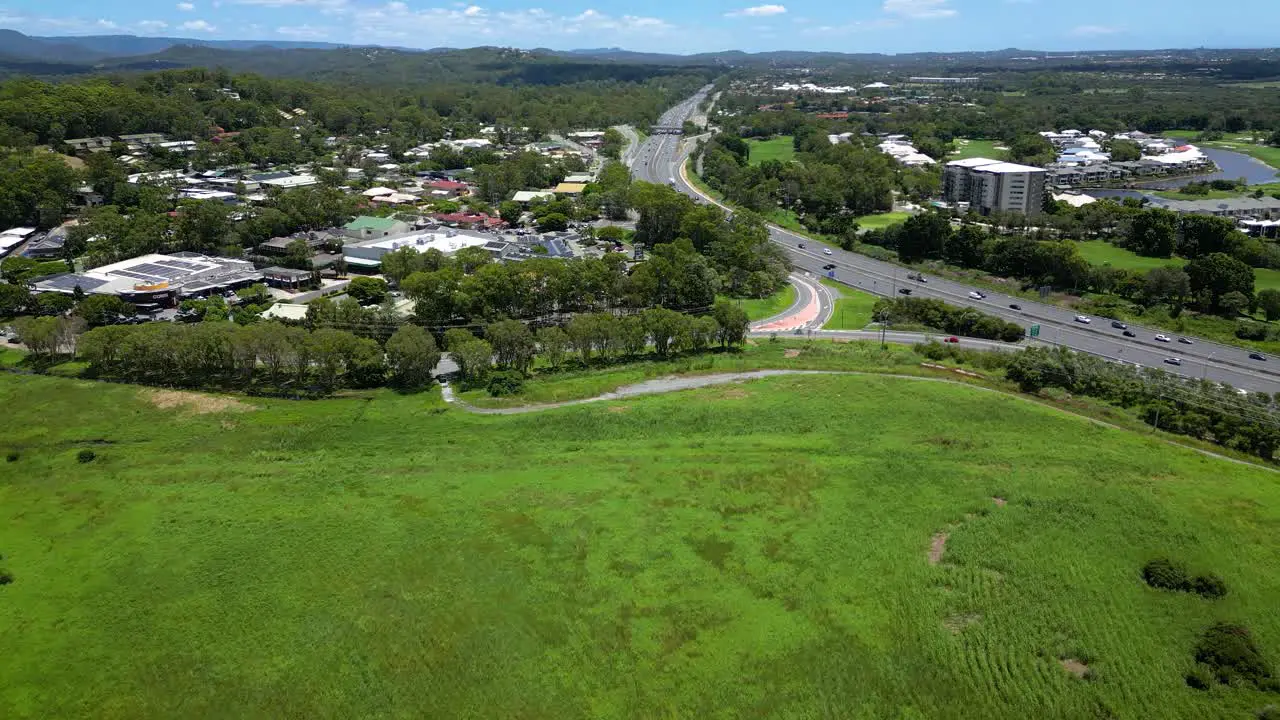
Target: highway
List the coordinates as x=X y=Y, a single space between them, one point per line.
x=661 y=159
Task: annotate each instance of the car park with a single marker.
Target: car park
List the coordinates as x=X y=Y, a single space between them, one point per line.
x=1085 y=319
x=1119 y=325
x=1173 y=361
x=1257 y=356
x=1162 y=338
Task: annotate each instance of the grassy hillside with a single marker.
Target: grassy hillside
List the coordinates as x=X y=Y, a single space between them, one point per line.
x=778 y=148
x=748 y=551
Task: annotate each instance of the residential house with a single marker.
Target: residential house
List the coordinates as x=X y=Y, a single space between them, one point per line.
x=366 y=227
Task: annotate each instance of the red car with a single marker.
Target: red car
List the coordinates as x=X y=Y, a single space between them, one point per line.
x=952 y=339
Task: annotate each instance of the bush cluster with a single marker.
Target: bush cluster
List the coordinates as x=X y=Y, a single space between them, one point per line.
x=86 y=456
x=1165 y=574
x=1227 y=654
x=947 y=318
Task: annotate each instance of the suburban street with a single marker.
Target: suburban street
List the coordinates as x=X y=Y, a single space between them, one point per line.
x=661 y=159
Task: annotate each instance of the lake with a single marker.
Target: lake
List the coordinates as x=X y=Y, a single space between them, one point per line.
x=1232 y=166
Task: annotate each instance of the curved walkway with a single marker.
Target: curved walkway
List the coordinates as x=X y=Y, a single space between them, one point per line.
x=811 y=310
x=674 y=383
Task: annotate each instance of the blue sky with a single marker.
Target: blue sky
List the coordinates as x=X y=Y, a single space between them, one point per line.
x=676 y=25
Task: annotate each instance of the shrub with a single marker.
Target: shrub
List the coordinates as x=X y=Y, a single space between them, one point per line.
x=1201 y=677
x=1270 y=712
x=1209 y=585
x=6 y=577
x=1165 y=574
x=86 y=456
x=1231 y=655
x=506 y=382
x=12 y=456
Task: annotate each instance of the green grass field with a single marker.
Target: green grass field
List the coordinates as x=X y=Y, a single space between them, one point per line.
x=853 y=307
x=1211 y=195
x=977 y=148
x=761 y=308
x=879 y=221
x=778 y=148
x=742 y=551
x=1101 y=252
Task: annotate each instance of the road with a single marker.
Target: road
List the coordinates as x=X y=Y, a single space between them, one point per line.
x=661 y=159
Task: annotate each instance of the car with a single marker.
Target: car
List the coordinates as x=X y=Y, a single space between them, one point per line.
x=975 y=295
x=1173 y=361
x=829 y=266
x=826 y=251
x=1015 y=306
x=1185 y=341
x=952 y=339
x=922 y=279
x=1130 y=333
x=1162 y=338
x=1085 y=319
x=1119 y=325
x=800 y=245
x=1257 y=356
x=904 y=291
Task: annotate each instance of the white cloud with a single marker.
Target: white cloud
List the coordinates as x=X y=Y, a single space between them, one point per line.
x=1094 y=30
x=919 y=9
x=397 y=23
x=303 y=32
x=152 y=25
x=107 y=25
x=186 y=6
x=197 y=26
x=758 y=11
x=327 y=6
x=473 y=11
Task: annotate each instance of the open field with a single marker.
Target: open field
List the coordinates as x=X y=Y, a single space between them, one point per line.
x=976 y=148
x=879 y=221
x=1211 y=195
x=761 y=308
x=1101 y=252
x=778 y=148
x=853 y=307
x=673 y=556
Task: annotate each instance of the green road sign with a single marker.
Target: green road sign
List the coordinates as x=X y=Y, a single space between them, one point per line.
x=1035 y=331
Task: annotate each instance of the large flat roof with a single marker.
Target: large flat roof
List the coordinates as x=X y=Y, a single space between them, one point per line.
x=973 y=162
x=1006 y=167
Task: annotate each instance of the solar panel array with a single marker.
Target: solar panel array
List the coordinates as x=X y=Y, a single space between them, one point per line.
x=69 y=282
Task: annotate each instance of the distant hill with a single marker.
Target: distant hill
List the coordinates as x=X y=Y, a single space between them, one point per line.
x=106 y=46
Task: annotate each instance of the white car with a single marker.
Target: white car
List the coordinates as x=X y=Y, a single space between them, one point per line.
x=1162 y=338
x=826 y=251
x=1084 y=319
x=975 y=295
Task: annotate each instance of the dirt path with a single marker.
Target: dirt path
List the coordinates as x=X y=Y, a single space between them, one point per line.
x=674 y=383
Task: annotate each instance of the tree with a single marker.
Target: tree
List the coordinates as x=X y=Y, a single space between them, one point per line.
x=474 y=359
x=1166 y=284
x=1124 y=150
x=553 y=222
x=554 y=343
x=98 y=310
x=14 y=300
x=964 y=248
x=732 y=321
x=412 y=356
x=513 y=344
x=510 y=212
x=664 y=326
x=368 y=290
x=1217 y=274
x=1269 y=303
x=297 y=255
x=1031 y=149
x=1153 y=233
x=923 y=236
x=455 y=338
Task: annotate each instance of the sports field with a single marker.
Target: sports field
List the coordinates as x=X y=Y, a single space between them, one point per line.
x=778 y=148
x=795 y=547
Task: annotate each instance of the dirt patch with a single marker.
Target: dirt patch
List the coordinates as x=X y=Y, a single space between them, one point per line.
x=194 y=403
x=1074 y=666
x=734 y=394
x=619 y=408
x=791 y=353
x=999 y=501
x=957 y=623
x=937 y=546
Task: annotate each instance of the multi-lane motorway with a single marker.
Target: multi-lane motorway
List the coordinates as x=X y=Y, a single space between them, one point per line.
x=661 y=159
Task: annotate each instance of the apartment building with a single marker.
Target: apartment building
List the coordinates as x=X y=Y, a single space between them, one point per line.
x=990 y=185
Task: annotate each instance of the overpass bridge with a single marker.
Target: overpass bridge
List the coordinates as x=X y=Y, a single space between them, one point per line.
x=666 y=130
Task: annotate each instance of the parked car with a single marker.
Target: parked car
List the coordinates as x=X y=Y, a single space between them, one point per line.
x=904 y=291
x=1015 y=306
x=1130 y=333
x=1119 y=325
x=1162 y=338
x=1173 y=361
x=1084 y=319
x=1257 y=356
x=826 y=251
x=1185 y=341
x=952 y=339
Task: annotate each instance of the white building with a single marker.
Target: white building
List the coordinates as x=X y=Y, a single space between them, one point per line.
x=990 y=185
x=369 y=254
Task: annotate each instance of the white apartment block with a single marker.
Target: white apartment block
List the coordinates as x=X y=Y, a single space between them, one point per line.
x=990 y=185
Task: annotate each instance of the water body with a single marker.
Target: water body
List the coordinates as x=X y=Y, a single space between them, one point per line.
x=1231 y=166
